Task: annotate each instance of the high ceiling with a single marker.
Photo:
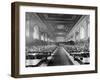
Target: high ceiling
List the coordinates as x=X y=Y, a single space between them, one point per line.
x=59 y=24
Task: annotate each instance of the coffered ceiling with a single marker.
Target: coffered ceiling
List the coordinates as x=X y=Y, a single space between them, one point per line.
x=59 y=24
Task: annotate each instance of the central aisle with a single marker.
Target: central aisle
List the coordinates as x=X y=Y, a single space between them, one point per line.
x=60 y=58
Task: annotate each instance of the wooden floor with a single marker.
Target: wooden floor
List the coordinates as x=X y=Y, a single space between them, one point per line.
x=60 y=58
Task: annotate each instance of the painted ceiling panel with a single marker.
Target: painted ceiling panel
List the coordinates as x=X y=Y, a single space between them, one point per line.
x=59 y=24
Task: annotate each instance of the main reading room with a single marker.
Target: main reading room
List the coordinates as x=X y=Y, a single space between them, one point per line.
x=56 y=39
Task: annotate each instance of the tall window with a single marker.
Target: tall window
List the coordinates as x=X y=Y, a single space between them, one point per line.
x=82 y=33
x=88 y=30
x=42 y=37
x=27 y=29
x=35 y=32
x=46 y=37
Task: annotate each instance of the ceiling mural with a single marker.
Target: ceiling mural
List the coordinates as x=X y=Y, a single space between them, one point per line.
x=59 y=24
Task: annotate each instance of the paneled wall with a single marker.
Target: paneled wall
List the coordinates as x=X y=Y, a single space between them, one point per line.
x=81 y=30
x=34 y=27
x=37 y=31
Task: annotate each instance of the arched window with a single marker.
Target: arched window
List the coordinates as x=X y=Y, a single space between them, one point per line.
x=35 y=32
